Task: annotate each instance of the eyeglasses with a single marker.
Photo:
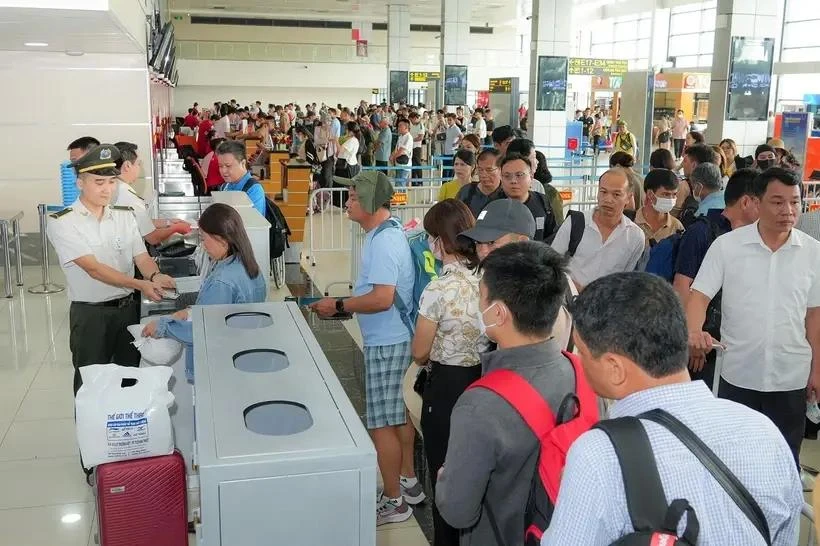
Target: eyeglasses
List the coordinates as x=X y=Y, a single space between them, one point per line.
x=487 y=171
x=509 y=177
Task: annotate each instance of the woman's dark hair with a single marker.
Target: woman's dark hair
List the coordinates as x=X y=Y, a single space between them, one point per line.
x=445 y=220
x=621 y=159
x=662 y=159
x=472 y=139
x=233 y=147
x=466 y=156
x=221 y=220
x=215 y=142
x=697 y=137
x=353 y=127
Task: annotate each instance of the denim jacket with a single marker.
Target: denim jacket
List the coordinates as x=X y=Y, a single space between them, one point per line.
x=226 y=283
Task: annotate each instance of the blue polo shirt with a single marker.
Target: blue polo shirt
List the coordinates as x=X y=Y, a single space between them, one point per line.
x=255 y=193
x=712 y=201
x=696 y=240
x=387 y=260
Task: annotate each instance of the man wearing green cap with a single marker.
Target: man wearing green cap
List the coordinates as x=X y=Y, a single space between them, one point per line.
x=98 y=245
x=382 y=302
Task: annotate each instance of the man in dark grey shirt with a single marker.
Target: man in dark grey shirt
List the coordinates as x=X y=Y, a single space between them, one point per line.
x=492 y=455
x=478 y=195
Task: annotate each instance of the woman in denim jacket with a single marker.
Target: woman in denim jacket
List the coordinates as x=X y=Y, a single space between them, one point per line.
x=234 y=277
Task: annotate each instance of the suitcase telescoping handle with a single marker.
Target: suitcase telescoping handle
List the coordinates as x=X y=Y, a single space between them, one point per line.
x=720 y=352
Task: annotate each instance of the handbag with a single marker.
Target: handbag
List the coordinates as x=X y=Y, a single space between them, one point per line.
x=421 y=380
x=402 y=160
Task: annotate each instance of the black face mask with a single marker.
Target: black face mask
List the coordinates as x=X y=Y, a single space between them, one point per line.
x=766 y=163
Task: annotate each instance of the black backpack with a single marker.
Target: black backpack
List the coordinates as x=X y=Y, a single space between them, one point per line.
x=656 y=522
x=279 y=230
x=577 y=223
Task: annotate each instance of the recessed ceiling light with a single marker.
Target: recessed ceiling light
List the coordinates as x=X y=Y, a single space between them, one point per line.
x=35 y=44
x=71 y=518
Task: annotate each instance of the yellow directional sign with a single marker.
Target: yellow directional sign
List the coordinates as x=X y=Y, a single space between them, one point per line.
x=597 y=67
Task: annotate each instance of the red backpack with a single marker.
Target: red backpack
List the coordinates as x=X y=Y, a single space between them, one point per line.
x=577 y=414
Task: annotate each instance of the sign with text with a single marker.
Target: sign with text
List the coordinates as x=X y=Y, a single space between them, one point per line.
x=500 y=85
x=551 y=84
x=750 y=78
x=579 y=66
x=423 y=77
x=455 y=84
x=398 y=86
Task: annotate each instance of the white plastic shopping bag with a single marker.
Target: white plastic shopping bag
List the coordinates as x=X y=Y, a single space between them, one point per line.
x=122 y=413
x=155 y=352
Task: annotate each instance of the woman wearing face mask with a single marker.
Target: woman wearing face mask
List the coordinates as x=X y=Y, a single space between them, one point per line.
x=234 y=276
x=448 y=337
x=765 y=157
x=463 y=168
x=661 y=189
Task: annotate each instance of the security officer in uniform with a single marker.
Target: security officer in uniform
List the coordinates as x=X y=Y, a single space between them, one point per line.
x=153 y=231
x=98 y=245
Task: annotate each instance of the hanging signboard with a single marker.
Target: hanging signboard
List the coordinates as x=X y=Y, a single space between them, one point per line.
x=579 y=66
x=424 y=77
x=500 y=85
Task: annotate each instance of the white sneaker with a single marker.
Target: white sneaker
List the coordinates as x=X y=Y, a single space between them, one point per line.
x=413 y=494
x=392 y=511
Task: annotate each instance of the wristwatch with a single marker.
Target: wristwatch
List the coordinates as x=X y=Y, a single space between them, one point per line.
x=154 y=274
x=340 y=305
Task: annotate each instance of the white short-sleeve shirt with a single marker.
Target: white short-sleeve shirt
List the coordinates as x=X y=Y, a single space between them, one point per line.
x=405 y=142
x=595 y=257
x=764 y=302
x=113 y=240
x=127 y=197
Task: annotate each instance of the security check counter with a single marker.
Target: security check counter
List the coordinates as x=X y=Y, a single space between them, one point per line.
x=277 y=439
x=236 y=199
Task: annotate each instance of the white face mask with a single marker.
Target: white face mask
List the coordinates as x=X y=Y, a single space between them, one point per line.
x=435 y=248
x=482 y=326
x=664 y=204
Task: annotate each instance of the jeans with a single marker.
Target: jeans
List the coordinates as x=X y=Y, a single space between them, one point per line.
x=402 y=176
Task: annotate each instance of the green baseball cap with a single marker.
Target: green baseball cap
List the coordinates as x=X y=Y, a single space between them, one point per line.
x=101 y=160
x=373 y=189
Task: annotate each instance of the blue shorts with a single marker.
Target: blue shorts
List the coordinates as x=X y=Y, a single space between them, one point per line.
x=385 y=367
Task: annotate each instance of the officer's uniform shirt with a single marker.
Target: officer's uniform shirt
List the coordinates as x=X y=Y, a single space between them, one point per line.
x=113 y=240
x=127 y=197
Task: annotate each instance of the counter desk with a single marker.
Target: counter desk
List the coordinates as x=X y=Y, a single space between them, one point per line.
x=277 y=439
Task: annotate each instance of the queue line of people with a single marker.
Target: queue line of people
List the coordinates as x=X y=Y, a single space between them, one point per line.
x=644 y=341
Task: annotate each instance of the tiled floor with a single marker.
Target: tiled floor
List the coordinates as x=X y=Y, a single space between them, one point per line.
x=44 y=500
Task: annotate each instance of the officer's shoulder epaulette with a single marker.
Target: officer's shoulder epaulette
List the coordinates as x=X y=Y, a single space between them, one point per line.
x=61 y=213
x=121 y=207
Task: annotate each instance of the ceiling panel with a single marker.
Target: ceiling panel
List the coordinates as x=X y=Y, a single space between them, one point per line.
x=483 y=11
x=63 y=30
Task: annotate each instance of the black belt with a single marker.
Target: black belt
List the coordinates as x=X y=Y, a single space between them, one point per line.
x=119 y=302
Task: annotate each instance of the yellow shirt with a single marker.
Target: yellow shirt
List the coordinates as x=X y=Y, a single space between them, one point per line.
x=449 y=190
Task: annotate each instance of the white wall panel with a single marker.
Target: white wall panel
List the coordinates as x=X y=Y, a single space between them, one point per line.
x=56 y=99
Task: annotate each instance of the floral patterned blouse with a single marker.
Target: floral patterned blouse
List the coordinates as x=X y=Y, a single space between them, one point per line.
x=451 y=301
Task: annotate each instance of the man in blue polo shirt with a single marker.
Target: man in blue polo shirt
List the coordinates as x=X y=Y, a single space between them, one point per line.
x=233 y=166
x=741 y=210
x=382 y=301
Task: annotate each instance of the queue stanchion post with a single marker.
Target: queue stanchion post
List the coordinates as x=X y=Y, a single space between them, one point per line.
x=4 y=235
x=46 y=287
x=15 y=225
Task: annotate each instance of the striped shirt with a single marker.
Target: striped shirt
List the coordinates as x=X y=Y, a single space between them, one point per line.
x=591 y=508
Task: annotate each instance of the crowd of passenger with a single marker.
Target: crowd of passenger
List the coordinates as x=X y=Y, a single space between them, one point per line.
x=698 y=263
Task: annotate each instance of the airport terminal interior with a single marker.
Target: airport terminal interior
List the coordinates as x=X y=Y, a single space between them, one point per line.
x=217 y=174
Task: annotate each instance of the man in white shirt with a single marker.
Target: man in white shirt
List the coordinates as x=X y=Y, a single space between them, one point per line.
x=769 y=274
x=401 y=155
x=417 y=132
x=480 y=127
x=611 y=242
x=153 y=231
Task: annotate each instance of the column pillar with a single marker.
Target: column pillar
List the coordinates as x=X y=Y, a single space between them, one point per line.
x=746 y=19
x=455 y=39
x=398 y=38
x=551 y=35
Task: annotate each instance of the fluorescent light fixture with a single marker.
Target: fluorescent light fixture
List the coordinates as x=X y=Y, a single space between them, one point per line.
x=71 y=518
x=35 y=44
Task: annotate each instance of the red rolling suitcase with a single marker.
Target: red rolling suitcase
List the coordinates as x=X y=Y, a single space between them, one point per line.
x=142 y=502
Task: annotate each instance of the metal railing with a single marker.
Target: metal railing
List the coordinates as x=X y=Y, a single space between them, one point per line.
x=46 y=287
